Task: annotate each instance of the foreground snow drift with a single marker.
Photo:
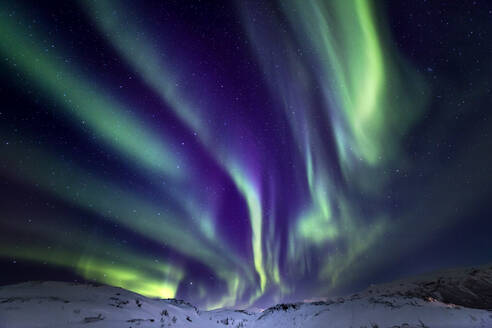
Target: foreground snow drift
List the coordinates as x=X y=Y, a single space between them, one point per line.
x=415 y=302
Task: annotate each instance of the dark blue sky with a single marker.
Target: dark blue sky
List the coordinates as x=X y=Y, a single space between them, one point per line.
x=238 y=154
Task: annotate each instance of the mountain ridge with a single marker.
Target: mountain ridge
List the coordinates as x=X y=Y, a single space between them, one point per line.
x=450 y=298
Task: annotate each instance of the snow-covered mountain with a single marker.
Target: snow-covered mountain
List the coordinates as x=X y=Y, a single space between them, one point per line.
x=453 y=298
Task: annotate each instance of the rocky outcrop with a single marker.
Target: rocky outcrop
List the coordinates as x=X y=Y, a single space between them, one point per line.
x=470 y=287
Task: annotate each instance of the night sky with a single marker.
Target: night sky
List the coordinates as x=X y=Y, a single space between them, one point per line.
x=244 y=153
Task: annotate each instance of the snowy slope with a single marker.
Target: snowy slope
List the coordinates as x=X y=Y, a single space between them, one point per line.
x=469 y=287
x=58 y=304
x=416 y=302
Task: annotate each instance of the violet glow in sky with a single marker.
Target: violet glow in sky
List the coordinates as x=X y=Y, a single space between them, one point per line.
x=241 y=153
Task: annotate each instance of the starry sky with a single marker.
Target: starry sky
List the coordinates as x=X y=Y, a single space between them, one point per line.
x=244 y=153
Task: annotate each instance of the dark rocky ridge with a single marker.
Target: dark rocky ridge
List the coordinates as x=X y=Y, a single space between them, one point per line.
x=470 y=287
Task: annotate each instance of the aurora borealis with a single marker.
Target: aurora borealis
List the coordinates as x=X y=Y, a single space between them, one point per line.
x=242 y=153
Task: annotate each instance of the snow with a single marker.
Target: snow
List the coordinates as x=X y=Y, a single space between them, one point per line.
x=400 y=304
